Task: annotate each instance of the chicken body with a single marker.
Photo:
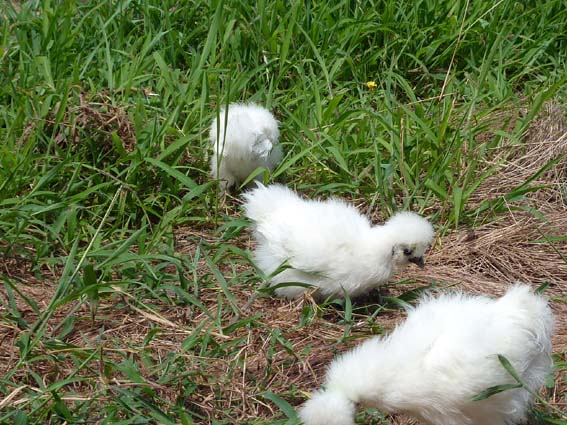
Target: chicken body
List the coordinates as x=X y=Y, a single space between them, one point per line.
x=444 y=354
x=243 y=139
x=329 y=244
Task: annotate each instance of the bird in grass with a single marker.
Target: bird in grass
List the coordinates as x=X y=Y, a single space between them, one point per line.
x=328 y=244
x=444 y=355
x=244 y=138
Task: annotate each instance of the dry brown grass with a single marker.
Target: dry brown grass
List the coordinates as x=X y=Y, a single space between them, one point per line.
x=96 y=115
x=109 y=126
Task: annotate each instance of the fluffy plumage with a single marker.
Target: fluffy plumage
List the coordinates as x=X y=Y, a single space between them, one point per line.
x=443 y=355
x=329 y=244
x=243 y=139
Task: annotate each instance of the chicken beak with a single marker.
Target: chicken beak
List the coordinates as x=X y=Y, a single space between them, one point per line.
x=418 y=261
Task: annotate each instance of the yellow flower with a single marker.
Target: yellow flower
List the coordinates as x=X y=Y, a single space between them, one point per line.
x=371 y=85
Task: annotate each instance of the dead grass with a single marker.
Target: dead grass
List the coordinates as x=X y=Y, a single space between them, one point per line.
x=545 y=140
x=89 y=117
x=96 y=116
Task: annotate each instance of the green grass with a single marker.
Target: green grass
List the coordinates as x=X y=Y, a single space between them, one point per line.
x=99 y=221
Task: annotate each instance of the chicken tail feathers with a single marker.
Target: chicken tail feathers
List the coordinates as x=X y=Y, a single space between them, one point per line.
x=260 y=202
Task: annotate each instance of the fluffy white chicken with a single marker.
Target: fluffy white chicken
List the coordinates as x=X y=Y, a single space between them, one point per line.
x=329 y=244
x=444 y=354
x=243 y=139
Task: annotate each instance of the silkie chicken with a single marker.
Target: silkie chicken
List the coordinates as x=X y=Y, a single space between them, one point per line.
x=440 y=358
x=243 y=139
x=328 y=244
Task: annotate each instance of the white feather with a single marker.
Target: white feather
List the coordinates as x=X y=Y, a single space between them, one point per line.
x=329 y=244
x=243 y=139
x=328 y=408
x=444 y=354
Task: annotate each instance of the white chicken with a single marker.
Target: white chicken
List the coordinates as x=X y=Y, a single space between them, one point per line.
x=443 y=355
x=243 y=139
x=329 y=244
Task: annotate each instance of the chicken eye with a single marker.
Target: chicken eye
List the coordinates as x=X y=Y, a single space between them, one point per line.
x=408 y=252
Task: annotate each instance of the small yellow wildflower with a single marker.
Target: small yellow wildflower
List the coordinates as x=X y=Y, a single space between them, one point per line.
x=371 y=85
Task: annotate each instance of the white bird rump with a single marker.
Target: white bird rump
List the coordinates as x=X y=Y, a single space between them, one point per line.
x=329 y=244
x=440 y=358
x=243 y=139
